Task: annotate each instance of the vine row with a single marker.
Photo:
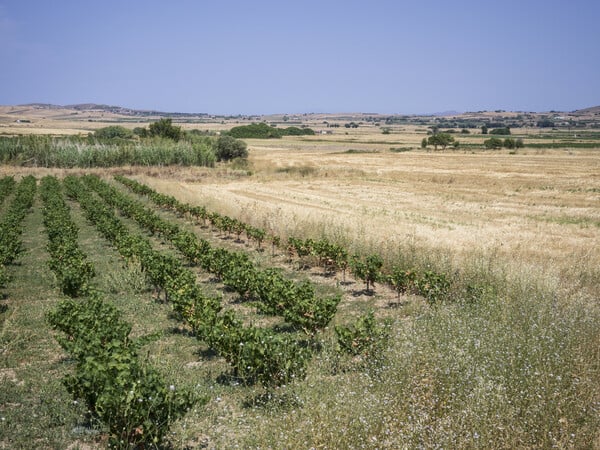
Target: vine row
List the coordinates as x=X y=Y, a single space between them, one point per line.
x=119 y=388
x=68 y=262
x=434 y=286
x=7 y=185
x=11 y=228
x=255 y=354
x=296 y=302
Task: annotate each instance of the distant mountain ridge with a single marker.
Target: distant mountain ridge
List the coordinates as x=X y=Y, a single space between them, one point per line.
x=112 y=109
x=594 y=110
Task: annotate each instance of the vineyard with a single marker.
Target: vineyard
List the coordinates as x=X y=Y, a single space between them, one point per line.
x=131 y=319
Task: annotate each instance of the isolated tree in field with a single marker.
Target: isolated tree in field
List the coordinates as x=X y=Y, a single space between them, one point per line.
x=545 y=123
x=510 y=143
x=484 y=129
x=493 y=143
x=441 y=139
x=504 y=131
x=114 y=131
x=424 y=143
x=165 y=128
x=228 y=148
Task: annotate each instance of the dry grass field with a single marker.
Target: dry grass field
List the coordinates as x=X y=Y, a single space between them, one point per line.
x=533 y=211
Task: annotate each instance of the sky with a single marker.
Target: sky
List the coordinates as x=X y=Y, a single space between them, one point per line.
x=267 y=57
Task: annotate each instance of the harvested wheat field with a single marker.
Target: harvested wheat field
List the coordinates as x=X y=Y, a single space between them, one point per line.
x=540 y=209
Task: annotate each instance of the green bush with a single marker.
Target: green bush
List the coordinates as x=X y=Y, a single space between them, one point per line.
x=228 y=148
x=165 y=129
x=493 y=143
x=114 y=131
x=363 y=338
x=264 y=131
x=255 y=130
x=505 y=131
x=136 y=404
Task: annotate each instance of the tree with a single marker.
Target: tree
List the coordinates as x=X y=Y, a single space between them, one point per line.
x=509 y=143
x=424 y=143
x=493 y=143
x=114 y=131
x=441 y=139
x=546 y=123
x=254 y=131
x=228 y=148
x=141 y=132
x=484 y=129
x=504 y=131
x=165 y=128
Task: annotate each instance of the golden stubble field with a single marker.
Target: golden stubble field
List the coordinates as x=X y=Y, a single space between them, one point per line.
x=533 y=211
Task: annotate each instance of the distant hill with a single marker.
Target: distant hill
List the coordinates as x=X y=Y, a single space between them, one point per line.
x=593 y=111
x=111 y=109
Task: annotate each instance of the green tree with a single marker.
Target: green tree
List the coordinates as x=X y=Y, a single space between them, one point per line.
x=441 y=139
x=113 y=131
x=254 y=131
x=484 y=129
x=510 y=143
x=504 y=131
x=493 y=143
x=424 y=143
x=546 y=123
x=141 y=132
x=165 y=128
x=228 y=148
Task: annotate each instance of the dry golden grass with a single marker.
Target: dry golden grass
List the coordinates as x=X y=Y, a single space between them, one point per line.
x=530 y=210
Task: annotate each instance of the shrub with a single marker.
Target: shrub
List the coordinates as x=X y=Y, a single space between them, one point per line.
x=505 y=131
x=363 y=338
x=165 y=129
x=493 y=143
x=114 y=131
x=255 y=131
x=367 y=270
x=509 y=143
x=264 y=131
x=228 y=148
x=129 y=396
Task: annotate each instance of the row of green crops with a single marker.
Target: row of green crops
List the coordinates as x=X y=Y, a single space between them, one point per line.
x=255 y=354
x=434 y=286
x=118 y=387
x=10 y=226
x=275 y=294
x=11 y=245
x=7 y=185
x=70 y=265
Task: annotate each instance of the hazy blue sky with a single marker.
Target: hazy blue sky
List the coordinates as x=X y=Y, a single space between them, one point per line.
x=257 y=57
